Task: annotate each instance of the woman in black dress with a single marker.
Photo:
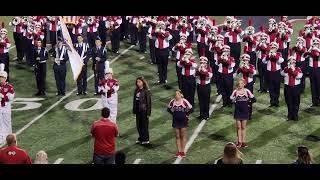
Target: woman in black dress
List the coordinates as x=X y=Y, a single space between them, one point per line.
x=180 y=109
x=142 y=109
x=243 y=99
x=231 y=155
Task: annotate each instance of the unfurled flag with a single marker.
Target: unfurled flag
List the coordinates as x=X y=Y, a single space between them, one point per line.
x=74 y=58
x=71 y=19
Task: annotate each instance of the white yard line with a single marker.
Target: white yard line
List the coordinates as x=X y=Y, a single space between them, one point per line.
x=63 y=98
x=58 y=161
x=137 y=161
x=12 y=47
x=198 y=129
x=259 y=162
x=141 y=57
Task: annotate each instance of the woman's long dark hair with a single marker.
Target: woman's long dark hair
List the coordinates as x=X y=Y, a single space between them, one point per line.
x=145 y=83
x=304 y=155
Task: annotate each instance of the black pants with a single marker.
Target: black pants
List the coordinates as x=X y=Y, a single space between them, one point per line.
x=262 y=69
x=179 y=76
x=303 y=66
x=292 y=97
x=250 y=87
x=98 y=75
x=274 y=79
x=82 y=80
x=162 y=62
x=29 y=52
x=133 y=34
x=102 y=31
x=18 y=40
x=235 y=50
x=4 y=58
x=226 y=87
x=41 y=73
x=188 y=88
x=103 y=159
x=315 y=85
x=190 y=37
x=115 y=40
x=44 y=41
x=60 y=72
x=284 y=56
x=152 y=51
x=253 y=58
x=53 y=37
x=123 y=28
x=91 y=37
x=204 y=92
x=142 y=122
x=218 y=80
x=201 y=47
x=24 y=46
x=142 y=35
x=174 y=40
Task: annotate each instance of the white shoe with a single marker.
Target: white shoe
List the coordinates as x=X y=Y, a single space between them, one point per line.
x=145 y=142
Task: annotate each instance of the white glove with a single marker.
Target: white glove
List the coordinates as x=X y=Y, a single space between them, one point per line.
x=38 y=59
x=1 y=96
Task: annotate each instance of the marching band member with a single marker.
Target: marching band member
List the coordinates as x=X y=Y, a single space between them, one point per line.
x=99 y=57
x=17 y=25
x=202 y=32
x=152 y=28
x=227 y=23
x=6 y=98
x=180 y=49
x=44 y=21
x=84 y=51
x=29 y=34
x=273 y=61
x=289 y=29
x=102 y=30
x=92 y=28
x=4 y=49
x=314 y=70
x=142 y=33
x=173 y=22
x=217 y=49
x=124 y=29
x=113 y=25
x=188 y=67
x=133 y=20
x=226 y=64
x=54 y=31
x=203 y=78
x=247 y=72
x=191 y=21
x=273 y=30
x=41 y=56
x=108 y=89
x=185 y=27
x=262 y=49
x=233 y=38
x=292 y=91
x=162 y=39
x=243 y=99
x=60 y=67
x=180 y=108
x=250 y=43
x=77 y=29
x=24 y=20
x=299 y=53
x=212 y=37
x=282 y=40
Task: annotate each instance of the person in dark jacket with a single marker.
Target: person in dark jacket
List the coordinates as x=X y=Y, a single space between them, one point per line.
x=142 y=109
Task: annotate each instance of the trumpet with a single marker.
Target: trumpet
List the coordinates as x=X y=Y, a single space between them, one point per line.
x=31 y=28
x=201 y=24
x=90 y=20
x=249 y=31
x=272 y=52
x=16 y=20
x=244 y=64
x=273 y=26
x=183 y=21
x=225 y=56
x=160 y=28
x=203 y=67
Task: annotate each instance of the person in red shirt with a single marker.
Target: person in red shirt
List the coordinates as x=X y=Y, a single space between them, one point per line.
x=104 y=131
x=12 y=154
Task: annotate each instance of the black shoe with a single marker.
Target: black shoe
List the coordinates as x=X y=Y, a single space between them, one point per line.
x=276 y=105
x=95 y=94
x=314 y=105
x=43 y=93
x=224 y=105
x=199 y=117
x=271 y=105
x=58 y=94
x=38 y=93
x=78 y=93
x=63 y=94
x=296 y=118
x=85 y=93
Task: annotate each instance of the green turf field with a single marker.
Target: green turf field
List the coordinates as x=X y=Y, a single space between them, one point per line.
x=66 y=134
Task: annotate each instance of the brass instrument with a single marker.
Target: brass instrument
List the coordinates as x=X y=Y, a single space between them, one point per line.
x=235 y=24
x=202 y=23
x=227 y=21
x=16 y=20
x=90 y=20
x=249 y=31
x=160 y=28
x=225 y=55
x=153 y=19
x=272 y=26
x=140 y=24
x=31 y=27
x=183 y=21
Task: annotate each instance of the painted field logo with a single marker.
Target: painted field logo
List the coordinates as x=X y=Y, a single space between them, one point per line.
x=75 y=105
x=29 y=103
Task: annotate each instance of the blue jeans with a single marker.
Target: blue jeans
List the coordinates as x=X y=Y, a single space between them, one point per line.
x=103 y=159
